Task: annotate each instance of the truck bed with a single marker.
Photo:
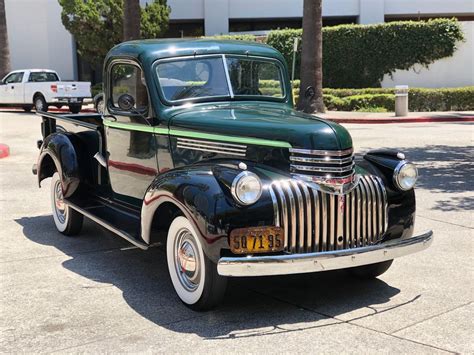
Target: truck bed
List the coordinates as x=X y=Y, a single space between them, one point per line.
x=72 y=122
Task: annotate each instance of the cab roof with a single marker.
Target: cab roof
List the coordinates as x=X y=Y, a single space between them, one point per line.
x=147 y=51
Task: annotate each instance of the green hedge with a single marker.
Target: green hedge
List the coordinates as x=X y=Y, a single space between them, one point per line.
x=242 y=37
x=357 y=56
x=419 y=99
x=96 y=89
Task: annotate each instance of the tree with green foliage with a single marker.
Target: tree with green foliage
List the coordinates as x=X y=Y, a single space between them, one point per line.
x=97 y=25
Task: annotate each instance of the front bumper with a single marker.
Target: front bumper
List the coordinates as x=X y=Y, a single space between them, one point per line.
x=67 y=100
x=324 y=261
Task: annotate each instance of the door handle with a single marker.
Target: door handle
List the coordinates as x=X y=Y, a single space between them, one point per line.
x=12 y=87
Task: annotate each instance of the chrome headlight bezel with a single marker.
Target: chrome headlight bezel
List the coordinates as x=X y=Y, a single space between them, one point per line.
x=236 y=188
x=398 y=172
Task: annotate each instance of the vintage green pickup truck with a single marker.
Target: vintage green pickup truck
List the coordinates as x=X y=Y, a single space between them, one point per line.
x=199 y=149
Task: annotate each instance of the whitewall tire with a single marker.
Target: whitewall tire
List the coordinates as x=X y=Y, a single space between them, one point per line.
x=194 y=276
x=67 y=220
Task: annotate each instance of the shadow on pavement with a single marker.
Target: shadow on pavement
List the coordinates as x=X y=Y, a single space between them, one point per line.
x=252 y=307
x=446 y=169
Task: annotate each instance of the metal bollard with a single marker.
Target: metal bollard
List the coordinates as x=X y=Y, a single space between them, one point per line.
x=401 y=100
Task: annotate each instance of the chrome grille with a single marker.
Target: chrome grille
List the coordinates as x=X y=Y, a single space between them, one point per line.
x=315 y=221
x=325 y=164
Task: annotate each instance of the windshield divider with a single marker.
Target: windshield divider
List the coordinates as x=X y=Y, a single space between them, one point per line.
x=229 y=84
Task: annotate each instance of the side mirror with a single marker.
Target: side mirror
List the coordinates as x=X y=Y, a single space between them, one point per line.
x=126 y=102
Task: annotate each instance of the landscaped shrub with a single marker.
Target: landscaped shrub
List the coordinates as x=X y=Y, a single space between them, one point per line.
x=333 y=103
x=242 y=37
x=357 y=102
x=419 y=99
x=96 y=89
x=357 y=56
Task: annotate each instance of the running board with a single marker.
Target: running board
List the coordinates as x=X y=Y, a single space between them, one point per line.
x=107 y=225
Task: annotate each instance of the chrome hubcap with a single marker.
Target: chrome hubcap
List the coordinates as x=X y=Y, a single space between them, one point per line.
x=187 y=261
x=101 y=107
x=59 y=206
x=39 y=105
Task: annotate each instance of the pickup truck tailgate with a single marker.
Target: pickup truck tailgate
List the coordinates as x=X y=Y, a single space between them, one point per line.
x=73 y=89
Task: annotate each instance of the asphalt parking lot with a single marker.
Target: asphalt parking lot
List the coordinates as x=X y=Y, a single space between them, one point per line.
x=93 y=293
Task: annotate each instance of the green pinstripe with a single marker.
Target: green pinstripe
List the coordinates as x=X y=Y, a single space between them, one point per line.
x=190 y=134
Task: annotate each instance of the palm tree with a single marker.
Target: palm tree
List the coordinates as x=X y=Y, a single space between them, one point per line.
x=311 y=74
x=4 y=50
x=131 y=19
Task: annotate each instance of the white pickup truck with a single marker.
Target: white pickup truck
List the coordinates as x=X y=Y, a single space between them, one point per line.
x=41 y=88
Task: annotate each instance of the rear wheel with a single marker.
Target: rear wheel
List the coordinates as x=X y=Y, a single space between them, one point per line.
x=67 y=220
x=194 y=276
x=75 y=108
x=370 y=271
x=40 y=103
x=100 y=106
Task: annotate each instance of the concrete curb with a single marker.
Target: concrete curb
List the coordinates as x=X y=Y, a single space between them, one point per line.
x=401 y=120
x=4 y=150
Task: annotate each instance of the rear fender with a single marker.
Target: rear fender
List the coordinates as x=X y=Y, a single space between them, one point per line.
x=59 y=152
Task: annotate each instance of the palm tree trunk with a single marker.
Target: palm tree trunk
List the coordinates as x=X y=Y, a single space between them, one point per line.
x=4 y=49
x=131 y=20
x=311 y=84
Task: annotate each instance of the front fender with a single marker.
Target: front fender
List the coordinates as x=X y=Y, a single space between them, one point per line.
x=401 y=204
x=59 y=153
x=202 y=193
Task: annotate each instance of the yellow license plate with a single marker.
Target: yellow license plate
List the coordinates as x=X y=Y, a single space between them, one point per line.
x=256 y=240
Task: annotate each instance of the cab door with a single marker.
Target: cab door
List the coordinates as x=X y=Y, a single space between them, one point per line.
x=130 y=141
x=11 y=89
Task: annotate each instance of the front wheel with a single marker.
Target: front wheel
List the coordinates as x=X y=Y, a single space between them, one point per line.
x=370 y=271
x=67 y=220
x=194 y=276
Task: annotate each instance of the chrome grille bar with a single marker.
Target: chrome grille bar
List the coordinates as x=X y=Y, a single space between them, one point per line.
x=325 y=164
x=212 y=147
x=314 y=221
x=326 y=160
x=336 y=153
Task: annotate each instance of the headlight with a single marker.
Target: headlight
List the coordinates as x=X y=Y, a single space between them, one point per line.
x=246 y=188
x=405 y=176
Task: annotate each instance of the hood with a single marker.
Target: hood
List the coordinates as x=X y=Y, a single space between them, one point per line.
x=274 y=122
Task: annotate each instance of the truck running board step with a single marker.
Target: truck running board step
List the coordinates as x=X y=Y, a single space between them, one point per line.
x=120 y=224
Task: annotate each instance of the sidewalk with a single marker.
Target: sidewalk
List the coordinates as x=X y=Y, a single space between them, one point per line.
x=389 y=117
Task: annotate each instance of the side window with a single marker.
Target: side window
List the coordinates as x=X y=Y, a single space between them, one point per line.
x=128 y=79
x=14 y=78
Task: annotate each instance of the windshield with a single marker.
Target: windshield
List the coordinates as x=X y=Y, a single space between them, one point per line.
x=206 y=77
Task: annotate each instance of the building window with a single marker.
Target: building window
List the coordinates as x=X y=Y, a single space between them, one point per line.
x=268 y=24
x=185 y=28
